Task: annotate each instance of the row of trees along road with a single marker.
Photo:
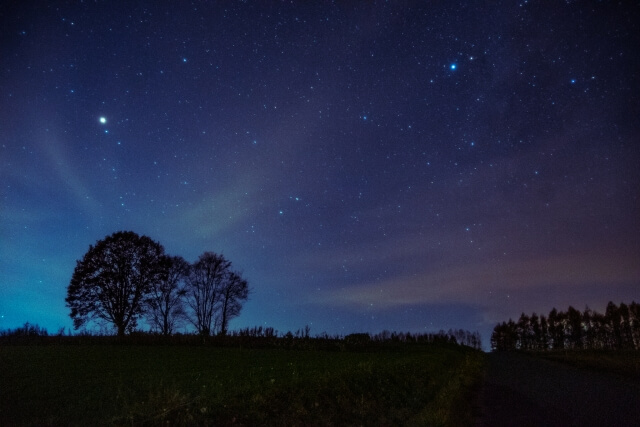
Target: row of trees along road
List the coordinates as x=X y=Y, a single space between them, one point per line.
x=126 y=277
x=617 y=329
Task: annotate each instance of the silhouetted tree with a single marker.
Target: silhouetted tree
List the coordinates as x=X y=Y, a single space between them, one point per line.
x=497 y=338
x=589 y=328
x=556 y=329
x=573 y=330
x=625 y=326
x=612 y=318
x=233 y=293
x=114 y=278
x=525 y=333
x=634 y=320
x=204 y=285
x=505 y=337
x=599 y=330
x=166 y=299
x=534 y=330
x=543 y=340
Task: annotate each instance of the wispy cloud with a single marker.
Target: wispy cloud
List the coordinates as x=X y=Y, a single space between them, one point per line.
x=473 y=283
x=68 y=174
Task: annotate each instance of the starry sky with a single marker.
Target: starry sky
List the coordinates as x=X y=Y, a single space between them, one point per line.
x=409 y=166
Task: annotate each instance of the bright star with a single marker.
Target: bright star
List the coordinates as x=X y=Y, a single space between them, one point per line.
x=103 y=120
x=453 y=66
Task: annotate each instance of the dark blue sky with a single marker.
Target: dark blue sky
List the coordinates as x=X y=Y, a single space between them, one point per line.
x=367 y=166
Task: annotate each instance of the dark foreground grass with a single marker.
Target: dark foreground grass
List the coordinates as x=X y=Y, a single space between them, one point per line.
x=200 y=385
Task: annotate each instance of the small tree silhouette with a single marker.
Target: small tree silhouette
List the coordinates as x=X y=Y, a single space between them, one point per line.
x=203 y=288
x=165 y=302
x=233 y=293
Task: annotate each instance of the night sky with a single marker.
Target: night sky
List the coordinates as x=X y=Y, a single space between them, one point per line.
x=410 y=166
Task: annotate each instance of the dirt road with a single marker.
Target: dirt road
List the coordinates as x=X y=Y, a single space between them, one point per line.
x=521 y=390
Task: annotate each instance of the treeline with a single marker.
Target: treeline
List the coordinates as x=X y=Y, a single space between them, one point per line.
x=256 y=337
x=617 y=329
x=452 y=336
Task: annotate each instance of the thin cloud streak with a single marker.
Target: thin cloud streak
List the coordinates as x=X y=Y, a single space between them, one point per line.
x=472 y=284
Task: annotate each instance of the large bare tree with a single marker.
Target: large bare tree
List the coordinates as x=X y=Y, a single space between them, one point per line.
x=113 y=280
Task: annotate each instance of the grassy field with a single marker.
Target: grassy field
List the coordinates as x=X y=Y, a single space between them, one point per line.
x=205 y=385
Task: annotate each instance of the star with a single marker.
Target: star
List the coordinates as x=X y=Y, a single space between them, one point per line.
x=103 y=120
